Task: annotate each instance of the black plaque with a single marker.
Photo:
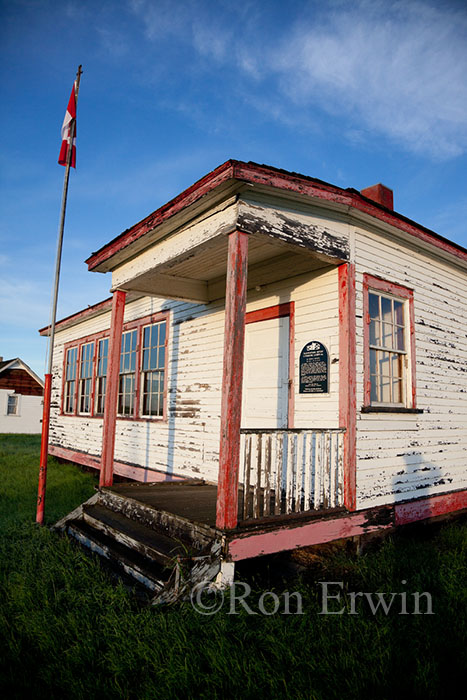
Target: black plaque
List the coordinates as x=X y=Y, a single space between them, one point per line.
x=314 y=369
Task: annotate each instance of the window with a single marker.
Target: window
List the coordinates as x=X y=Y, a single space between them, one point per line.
x=70 y=380
x=387 y=349
x=126 y=387
x=12 y=406
x=389 y=345
x=142 y=382
x=153 y=369
x=101 y=374
x=85 y=377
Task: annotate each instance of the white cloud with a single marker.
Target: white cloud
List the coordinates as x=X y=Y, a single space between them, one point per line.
x=399 y=71
x=396 y=70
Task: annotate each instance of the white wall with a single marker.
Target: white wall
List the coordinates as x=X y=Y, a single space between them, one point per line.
x=404 y=456
x=28 y=417
x=188 y=442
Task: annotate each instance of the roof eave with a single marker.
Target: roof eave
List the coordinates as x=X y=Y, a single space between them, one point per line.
x=263 y=175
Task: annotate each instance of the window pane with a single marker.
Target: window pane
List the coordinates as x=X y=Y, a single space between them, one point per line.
x=375 y=333
x=400 y=344
x=398 y=313
x=103 y=351
x=396 y=366
x=126 y=395
x=387 y=341
x=383 y=364
x=397 y=391
x=373 y=306
x=386 y=309
x=100 y=401
x=374 y=392
x=385 y=389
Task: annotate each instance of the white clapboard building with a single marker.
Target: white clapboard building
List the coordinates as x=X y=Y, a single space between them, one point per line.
x=282 y=362
x=21 y=401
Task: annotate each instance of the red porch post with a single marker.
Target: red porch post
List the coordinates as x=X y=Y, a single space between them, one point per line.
x=348 y=380
x=231 y=408
x=111 y=392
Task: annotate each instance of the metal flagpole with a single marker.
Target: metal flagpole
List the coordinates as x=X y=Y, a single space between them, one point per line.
x=48 y=376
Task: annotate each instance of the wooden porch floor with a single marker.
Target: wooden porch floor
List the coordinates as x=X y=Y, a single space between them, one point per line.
x=196 y=501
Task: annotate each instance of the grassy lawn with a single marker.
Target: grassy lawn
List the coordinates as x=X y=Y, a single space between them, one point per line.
x=68 y=631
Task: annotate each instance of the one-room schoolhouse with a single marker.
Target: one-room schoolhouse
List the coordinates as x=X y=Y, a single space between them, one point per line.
x=282 y=363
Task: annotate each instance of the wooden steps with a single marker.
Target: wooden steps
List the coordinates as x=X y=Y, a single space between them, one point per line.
x=163 y=552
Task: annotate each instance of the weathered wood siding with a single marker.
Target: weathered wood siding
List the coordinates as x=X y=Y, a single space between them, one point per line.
x=403 y=456
x=187 y=443
x=303 y=227
x=20 y=382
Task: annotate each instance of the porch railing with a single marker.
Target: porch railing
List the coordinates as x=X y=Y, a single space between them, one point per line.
x=290 y=471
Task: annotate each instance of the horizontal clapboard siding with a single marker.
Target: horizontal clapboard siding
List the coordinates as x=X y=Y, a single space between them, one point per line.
x=400 y=457
x=187 y=444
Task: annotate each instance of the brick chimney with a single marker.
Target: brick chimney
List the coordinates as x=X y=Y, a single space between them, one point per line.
x=381 y=194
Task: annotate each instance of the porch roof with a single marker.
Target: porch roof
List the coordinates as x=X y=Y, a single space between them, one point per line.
x=234 y=177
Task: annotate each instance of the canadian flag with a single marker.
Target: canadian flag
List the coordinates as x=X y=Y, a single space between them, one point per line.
x=68 y=122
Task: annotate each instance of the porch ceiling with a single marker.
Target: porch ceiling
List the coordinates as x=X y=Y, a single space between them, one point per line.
x=200 y=277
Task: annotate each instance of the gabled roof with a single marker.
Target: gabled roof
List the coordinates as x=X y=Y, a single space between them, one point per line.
x=10 y=364
x=233 y=171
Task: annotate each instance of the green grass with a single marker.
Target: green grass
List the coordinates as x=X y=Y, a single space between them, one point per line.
x=68 y=631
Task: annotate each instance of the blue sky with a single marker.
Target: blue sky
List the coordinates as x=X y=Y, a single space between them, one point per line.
x=353 y=93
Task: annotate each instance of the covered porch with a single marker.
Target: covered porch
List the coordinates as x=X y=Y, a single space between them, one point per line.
x=267 y=470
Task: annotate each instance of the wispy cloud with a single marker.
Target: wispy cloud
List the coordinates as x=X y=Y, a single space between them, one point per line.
x=396 y=70
x=399 y=71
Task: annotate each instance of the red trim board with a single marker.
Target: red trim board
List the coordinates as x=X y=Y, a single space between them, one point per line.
x=79 y=316
x=347 y=525
x=424 y=508
x=128 y=471
x=315 y=532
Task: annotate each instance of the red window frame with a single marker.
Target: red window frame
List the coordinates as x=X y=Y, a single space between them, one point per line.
x=377 y=284
x=137 y=324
